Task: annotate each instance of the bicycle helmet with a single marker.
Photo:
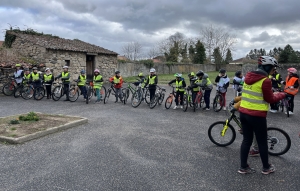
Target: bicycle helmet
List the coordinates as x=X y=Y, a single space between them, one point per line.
x=65 y=67
x=152 y=70
x=26 y=69
x=47 y=69
x=222 y=71
x=191 y=74
x=96 y=71
x=177 y=75
x=117 y=72
x=140 y=74
x=200 y=73
x=82 y=72
x=34 y=68
x=292 y=70
x=238 y=73
x=18 y=65
x=267 y=60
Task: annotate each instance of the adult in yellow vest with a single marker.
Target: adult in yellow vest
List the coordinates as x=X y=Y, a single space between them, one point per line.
x=291 y=87
x=81 y=84
x=152 y=81
x=65 y=77
x=276 y=79
x=180 y=85
x=205 y=83
x=36 y=78
x=256 y=96
x=48 y=79
x=98 y=82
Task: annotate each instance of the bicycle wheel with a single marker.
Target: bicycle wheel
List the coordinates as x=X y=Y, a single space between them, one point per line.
x=39 y=93
x=136 y=98
x=127 y=93
x=197 y=103
x=8 y=89
x=147 y=96
x=168 y=102
x=185 y=103
x=18 y=90
x=102 y=92
x=124 y=96
x=73 y=95
x=57 y=93
x=27 y=92
x=153 y=101
x=287 y=108
x=161 y=98
x=89 y=94
x=218 y=103
x=107 y=96
x=279 y=141
x=214 y=134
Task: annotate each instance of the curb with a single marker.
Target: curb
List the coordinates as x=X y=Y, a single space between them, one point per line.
x=43 y=133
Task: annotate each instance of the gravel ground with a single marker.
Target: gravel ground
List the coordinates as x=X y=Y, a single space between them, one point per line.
x=126 y=148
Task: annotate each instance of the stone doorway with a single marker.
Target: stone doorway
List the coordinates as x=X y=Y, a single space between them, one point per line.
x=90 y=66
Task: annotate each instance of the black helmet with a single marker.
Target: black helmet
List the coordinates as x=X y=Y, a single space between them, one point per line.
x=238 y=73
x=34 y=68
x=200 y=73
x=222 y=71
x=117 y=72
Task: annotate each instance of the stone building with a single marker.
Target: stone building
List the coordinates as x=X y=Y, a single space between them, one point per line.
x=53 y=52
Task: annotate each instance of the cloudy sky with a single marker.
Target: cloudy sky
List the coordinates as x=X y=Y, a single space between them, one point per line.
x=113 y=23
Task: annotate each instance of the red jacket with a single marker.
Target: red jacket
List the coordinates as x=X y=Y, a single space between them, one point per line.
x=269 y=96
x=119 y=85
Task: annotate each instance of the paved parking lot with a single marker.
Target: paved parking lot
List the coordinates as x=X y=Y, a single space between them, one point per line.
x=126 y=148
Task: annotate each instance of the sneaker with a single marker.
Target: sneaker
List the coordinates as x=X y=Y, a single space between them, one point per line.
x=291 y=113
x=240 y=130
x=273 y=111
x=268 y=170
x=207 y=109
x=97 y=101
x=224 y=108
x=246 y=170
x=253 y=153
x=181 y=107
x=175 y=107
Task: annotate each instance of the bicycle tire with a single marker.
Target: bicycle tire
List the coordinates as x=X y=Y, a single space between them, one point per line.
x=153 y=102
x=197 y=103
x=161 y=98
x=274 y=141
x=147 y=96
x=287 y=108
x=127 y=93
x=27 y=92
x=73 y=95
x=136 y=98
x=18 y=90
x=168 y=102
x=107 y=96
x=39 y=93
x=216 y=139
x=8 y=89
x=218 y=100
x=102 y=92
x=124 y=97
x=57 y=93
x=185 y=103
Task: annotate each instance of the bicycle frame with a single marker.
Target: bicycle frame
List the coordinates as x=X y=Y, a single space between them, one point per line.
x=232 y=117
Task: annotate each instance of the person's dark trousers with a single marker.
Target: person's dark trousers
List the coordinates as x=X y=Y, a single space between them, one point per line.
x=207 y=98
x=194 y=94
x=48 y=90
x=258 y=125
x=66 y=91
x=152 y=93
x=36 y=84
x=178 y=93
x=291 y=103
x=83 y=91
x=274 y=106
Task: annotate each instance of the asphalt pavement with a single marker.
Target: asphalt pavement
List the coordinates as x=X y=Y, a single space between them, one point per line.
x=126 y=148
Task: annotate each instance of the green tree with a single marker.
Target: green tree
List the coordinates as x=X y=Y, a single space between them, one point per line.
x=288 y=55
x=183 y=53
x=191 y=52
x=200 y=55
x=172 y=56
x=228 y=56
x=218 y=58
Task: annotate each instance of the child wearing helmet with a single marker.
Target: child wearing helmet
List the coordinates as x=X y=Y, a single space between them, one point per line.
x=48 y=79
x=18 y=74
x=276 y=85
x=222 y=81
x=36 y=78
x=81 y=84
x=194 y=90
x=152 y=81
x=65 y=77
x=98 y=82
x=238 y=81
x=291 y=87
x=180 y=85
x=117 y=80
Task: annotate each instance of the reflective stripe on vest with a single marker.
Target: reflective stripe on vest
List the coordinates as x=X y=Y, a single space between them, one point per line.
x=47 y=77
x=208 y=81
x=117 y=80
x=179 y=84
x=252 y=97
x=291 y=82
x=152 y=80
x=65 y=75
x=35 y=76
x=97 y=84
x=82 y=80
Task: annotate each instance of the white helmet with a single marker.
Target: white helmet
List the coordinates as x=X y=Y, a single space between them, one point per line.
x=152 y=70
x=65 y=67
x=267 y=60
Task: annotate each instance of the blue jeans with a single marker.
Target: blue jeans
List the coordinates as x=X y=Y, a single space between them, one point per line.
x=98 y=94
x=83 y=91
x=207 y=98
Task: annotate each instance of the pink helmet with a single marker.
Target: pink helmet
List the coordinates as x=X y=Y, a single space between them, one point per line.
x=292 y=70
x=96 y=71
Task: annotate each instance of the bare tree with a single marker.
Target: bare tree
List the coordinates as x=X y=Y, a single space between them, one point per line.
x=132 y=50
x=153 y=52
x=167 y=44
x=214 y=37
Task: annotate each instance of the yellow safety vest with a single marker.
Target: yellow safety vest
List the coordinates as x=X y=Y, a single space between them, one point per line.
x=179 y=84
x=116 y=80
x=82 y=80
x=97 y=84
x=35 y=76
x=47 y=77
x=252 y=97
x=65 y=75
x=152 y=80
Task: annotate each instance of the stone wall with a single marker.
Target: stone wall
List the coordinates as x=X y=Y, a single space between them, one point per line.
x=107 y=65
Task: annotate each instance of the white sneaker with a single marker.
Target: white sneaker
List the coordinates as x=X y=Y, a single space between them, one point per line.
x=291 y=113
x=207 y=109
x=224 y=108
x=181 y=107
x=175 y=107
x=273 y=111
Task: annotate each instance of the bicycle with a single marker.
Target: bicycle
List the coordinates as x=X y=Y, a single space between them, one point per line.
x=9 y=88
x=218 y=100
x=39 y=92
x=73 y=91
x=283 y=104
x=58 y=91
x=158 y=97
x=112 y=89
x=199 y=99
x=139 y=95
x=172 y=96
x=131 y=89
x=222 y=133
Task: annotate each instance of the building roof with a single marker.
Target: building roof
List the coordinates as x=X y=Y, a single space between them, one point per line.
x=237 y=60
x=56 y=43
x=122 y=58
